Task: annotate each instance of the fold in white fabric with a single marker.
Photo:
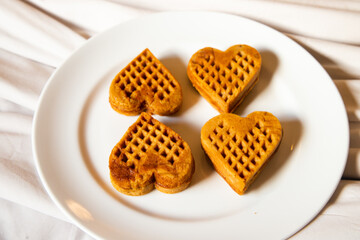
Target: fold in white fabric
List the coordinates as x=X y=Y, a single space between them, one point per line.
x=22 y=77
x=18 y=222
x=307 y=18
x=350 y=92
x=338 y=59
x=338 y=56
x=36 y=36
x=33 y=34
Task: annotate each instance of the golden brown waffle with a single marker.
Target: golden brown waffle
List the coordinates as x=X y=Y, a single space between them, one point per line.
x=224 y=78
x=145 y=85
x=150 y=153
x=240 y=147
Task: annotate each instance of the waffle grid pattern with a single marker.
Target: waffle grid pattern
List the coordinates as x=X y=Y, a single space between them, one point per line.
x=145 y=69
x=244 y=155
x=149 y=135
x=228 y=80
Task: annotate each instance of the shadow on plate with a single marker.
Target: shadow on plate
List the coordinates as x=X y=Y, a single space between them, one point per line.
x=106 y=80
x=292 y=131
x=186 y=130
x=178 y=69
x=269 y=66
x=191 y=134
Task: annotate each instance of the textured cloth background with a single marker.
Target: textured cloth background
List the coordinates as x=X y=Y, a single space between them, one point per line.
x=37 y=36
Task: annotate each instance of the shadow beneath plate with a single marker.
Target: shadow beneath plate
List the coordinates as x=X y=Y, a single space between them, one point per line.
x=340 y=188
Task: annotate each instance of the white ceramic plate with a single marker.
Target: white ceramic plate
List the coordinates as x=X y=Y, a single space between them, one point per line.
x=75 y=130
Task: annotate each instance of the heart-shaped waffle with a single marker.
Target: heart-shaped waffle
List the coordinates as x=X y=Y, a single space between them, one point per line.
x=145 y=85
x=224 y=78
x=150 y=153
x=240 y=147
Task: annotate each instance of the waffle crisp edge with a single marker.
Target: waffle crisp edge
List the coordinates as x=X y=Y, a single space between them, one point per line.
x=156 y=157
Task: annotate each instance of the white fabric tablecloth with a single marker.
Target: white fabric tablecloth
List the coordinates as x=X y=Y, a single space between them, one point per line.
x=37 y=36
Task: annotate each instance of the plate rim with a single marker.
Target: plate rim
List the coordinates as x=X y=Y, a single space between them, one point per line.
x=169 y=13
